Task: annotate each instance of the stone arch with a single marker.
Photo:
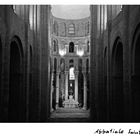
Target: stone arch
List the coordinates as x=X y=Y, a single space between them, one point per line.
x=16 y=102
x=117 y=98
x=135 y=78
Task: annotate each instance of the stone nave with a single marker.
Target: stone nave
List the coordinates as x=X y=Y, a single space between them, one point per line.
x=69 y=70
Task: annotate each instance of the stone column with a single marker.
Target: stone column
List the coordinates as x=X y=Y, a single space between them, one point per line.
x=66 y=85
x=57 y=90
x=52 y=90
x=76 y=86
x=85 y=91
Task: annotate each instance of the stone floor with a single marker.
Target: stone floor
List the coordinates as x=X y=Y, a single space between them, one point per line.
x=70 y=115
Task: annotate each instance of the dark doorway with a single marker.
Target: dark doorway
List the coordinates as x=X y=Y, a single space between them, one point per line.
x=136 y=80
x=15 y=102
x=117 y=95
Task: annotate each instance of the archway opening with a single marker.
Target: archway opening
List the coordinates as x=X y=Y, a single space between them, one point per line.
x=15 y=82
x=117 y=95
x=71 y=47
x=136 y=80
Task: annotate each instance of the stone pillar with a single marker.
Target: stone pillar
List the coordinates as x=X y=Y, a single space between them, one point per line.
x=66 y=85
x=76 y=86
x=57 y=90
x=85 y=91
x=52 y=90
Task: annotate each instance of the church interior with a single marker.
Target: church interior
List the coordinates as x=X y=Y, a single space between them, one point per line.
x=64 y=69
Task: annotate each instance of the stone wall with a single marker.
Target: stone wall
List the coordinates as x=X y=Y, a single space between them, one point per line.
x=105 y=96
x=34 y=69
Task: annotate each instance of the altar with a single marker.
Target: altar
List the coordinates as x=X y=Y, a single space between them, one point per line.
x=70 y=103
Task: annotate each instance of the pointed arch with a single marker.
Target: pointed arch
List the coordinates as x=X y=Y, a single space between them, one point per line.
x=16 y=104
x=117 y=102
x=135 y=77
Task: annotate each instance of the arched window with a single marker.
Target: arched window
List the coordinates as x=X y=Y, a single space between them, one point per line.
x=16 y=81
x=117 y=81
x=71 y=29
x=54 y=45
x=71 y=47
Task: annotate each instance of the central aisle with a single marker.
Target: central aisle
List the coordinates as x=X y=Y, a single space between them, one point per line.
x=70 y=115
